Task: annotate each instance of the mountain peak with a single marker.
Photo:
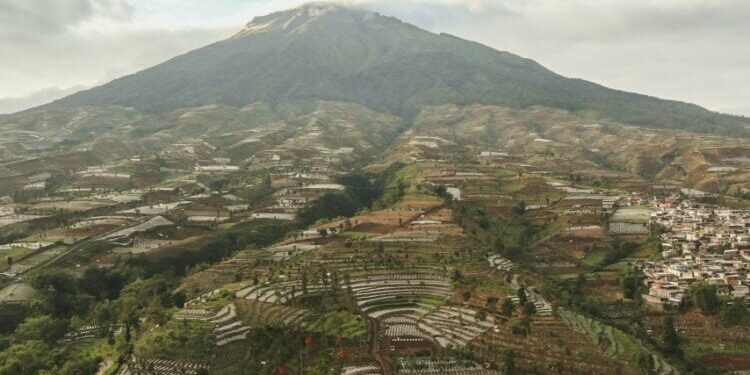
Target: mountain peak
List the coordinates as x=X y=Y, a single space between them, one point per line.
x=322 y=6
x=299 y=18
x=324 y=51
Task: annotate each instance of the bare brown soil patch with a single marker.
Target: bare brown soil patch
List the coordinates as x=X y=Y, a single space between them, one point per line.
x=725 y=361
x=370 y=227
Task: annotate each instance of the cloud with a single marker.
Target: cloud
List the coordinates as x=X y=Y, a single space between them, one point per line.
x=11 y=105
x=67 y=60
x=42 y=17
x=52 y=43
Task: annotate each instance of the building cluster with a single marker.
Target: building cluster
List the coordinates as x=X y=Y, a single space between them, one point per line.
x=700 y=243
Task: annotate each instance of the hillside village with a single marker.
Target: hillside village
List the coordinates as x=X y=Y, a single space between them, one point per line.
x=420 y=269
x=701 y=243
x=419 y=205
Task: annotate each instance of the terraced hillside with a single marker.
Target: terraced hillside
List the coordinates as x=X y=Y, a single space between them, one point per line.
x=333 y=191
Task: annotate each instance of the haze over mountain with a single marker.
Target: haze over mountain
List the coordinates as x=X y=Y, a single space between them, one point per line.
x=331 y=52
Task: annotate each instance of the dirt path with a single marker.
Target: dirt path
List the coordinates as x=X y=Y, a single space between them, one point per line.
x=105 y=366
x=375 y=349
x=407 y=223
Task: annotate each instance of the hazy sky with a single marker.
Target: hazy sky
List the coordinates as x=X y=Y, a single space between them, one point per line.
x=691 y=50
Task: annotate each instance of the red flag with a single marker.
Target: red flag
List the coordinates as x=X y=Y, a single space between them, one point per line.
x=309 y=341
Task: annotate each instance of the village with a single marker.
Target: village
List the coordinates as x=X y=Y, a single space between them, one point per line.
x=441 y=257
x=412 y=187
x=700 y=243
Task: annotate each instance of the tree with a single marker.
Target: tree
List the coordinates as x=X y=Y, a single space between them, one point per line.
x=441 y=191
x=507 y=307
x=483 y=222
x=580 y=283
x=500 y=244
x=519 y=209
x=591 y=305
x=733 y=312
x=669 y=335
x=59 y=291
x=359 y=187
x=705 y=298
x=492 y=303
x=105 y=314
x=42 y=328
x=103 y=284
x=179 y=298
x=508 y=364
x=529 y=308
x=466 y=296
x=81 y=365
x=328 y=206
x=645 y=362
x=522 y=296
x=457 y=275
x=11 y=315
x=629 y=282
x=482 y=315
x=28 y=358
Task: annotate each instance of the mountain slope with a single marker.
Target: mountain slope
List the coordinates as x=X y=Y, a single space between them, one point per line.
x=331 y=52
